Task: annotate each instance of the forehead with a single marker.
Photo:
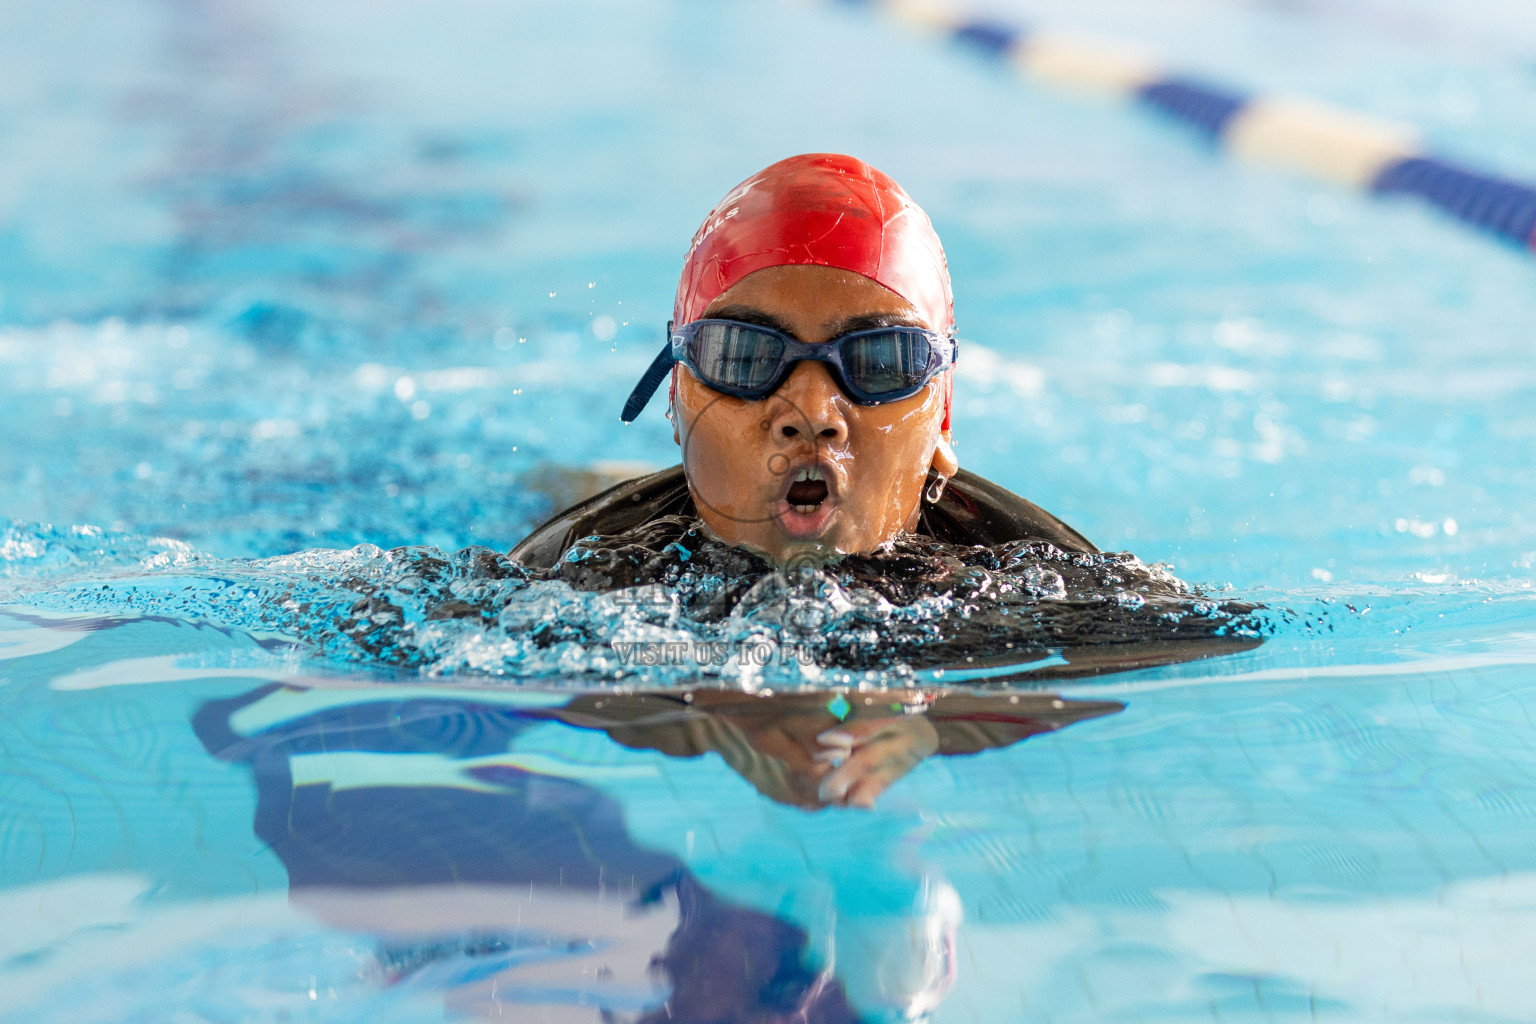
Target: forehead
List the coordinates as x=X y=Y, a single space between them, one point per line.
x=813 y=298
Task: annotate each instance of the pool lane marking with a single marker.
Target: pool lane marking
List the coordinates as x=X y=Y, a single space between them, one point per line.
x=1302 y=135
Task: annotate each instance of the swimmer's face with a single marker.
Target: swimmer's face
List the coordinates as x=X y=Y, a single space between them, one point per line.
x=746 y=459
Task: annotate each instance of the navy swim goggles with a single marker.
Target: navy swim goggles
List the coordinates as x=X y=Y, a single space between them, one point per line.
x=882 y=364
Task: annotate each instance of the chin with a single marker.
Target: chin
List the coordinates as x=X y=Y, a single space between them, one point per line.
x=817 y=551
x=818 y=526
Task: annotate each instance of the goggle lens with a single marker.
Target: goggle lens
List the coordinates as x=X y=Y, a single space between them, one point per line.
x=738 y=357
x=887 y=364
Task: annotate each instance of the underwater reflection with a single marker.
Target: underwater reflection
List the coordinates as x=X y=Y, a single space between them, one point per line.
x=510 y=883
x=815 y=749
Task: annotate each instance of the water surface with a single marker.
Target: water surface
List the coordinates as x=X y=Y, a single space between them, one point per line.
x=284 y=289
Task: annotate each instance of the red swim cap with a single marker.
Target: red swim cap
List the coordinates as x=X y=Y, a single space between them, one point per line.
x=820 y=209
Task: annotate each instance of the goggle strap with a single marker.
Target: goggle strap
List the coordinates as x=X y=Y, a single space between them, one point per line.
x=660 y=367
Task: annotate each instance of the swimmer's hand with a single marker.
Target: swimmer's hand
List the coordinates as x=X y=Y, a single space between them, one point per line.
x=866 y=756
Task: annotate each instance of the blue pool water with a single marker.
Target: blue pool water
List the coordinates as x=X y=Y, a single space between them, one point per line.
x=285 y=286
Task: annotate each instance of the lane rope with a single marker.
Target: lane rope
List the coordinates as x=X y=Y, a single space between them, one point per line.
x=1299 y=134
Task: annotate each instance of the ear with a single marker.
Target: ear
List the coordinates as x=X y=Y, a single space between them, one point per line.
x=944 y=462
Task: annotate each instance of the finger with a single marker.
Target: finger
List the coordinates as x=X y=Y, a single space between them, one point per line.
x=866 y=792
x=840 y=780
x=864 y=761
x=835 y=738
x=876 y=765
x=851 y=734
x=835 y=786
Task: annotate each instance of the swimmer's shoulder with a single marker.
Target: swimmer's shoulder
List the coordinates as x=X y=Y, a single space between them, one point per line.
x=974 y=510
x=619 y=509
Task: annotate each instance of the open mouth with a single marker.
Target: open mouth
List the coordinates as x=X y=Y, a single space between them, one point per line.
x=810 y=501
x=808 y=491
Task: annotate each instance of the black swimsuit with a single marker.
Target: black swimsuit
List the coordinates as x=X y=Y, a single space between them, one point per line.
x=971 y=511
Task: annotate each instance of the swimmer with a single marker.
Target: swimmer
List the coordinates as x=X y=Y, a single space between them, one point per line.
x=810 y=384
x=809 y=369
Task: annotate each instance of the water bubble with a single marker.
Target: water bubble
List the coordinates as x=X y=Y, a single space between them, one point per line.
x=1045 y=583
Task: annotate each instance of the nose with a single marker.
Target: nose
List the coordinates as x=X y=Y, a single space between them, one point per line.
x=809 y=406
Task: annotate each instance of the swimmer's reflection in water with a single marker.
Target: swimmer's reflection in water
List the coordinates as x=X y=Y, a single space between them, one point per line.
x=510 y=883
x=814 y=750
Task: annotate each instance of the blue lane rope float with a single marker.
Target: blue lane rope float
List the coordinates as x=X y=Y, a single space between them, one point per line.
x=1326 y=142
